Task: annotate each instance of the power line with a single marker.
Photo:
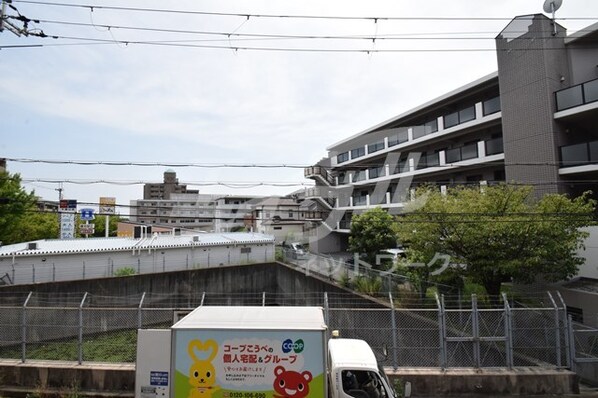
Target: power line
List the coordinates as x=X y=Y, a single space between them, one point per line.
x=157 y=164
x=398 y=36
x=282 y=16
x=244 y=165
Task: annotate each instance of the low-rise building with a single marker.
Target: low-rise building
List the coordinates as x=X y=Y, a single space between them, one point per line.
x=72 y=259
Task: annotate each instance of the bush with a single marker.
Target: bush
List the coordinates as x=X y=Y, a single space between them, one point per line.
x=125 y=271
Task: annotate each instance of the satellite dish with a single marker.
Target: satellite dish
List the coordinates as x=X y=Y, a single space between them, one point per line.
x=550 y=6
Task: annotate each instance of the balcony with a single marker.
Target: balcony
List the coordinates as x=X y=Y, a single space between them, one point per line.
x=430 y=160
x=580 y=94
x=462 y=153
x=494 y=146
x=579 y=154
x=320 y=172
x=322 y=194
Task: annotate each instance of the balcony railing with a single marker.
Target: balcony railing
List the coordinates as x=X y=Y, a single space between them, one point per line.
x=462 y=153
x=430 y=160
x=318 y=171
x=579 y=154
x=344 y=224
x=494 y=146
x=580 y=94
x=360 y=200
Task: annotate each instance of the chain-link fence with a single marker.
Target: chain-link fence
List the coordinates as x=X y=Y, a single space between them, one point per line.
x=88 y=327
x=584 y=350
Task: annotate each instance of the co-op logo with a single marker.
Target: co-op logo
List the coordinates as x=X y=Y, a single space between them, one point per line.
x=288 y=345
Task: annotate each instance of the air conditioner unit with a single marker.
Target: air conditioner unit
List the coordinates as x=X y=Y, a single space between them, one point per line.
x=32 y=246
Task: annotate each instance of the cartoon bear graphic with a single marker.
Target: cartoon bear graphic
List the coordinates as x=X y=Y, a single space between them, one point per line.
x=291 y=384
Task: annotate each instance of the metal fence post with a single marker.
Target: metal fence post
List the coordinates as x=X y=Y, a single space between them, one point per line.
x=441 y=331
x=139 y=318
x=24 y=329
x=556 y=330
x=163 y=264
x=203 y=297
x=81 y=328
x=33 y=273
x=571 y=333
x=567 y=339
x=138 y=266
x=395 y=361
x=475 y=326
x=508 y=332
x=13 y=273
x=53 y=272
x=263 y=299
x=83 y=269
x=326 y=310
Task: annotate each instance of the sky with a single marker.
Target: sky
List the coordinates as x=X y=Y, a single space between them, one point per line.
x=250 y=93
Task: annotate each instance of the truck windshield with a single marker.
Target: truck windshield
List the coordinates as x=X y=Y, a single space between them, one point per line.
x=363 y=384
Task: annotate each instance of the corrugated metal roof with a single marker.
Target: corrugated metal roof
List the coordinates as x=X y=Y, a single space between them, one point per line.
x=252 y=318
x=98 y=245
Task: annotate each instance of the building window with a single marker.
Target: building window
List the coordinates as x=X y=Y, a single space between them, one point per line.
x=290 y=214
x=375 y=147
x=245 y=250
x=342 y=157
x=277 y=228
x=357 y=152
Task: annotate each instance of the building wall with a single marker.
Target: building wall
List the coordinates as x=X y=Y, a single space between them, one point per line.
x=590 y=253
x=530 y=67
x=64 y=267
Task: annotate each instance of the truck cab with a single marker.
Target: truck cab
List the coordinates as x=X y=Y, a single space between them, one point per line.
x=354 y=371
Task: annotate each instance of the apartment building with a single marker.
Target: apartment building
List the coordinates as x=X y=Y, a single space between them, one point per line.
x=165 y=189
x=531 y=122
x=184 y=210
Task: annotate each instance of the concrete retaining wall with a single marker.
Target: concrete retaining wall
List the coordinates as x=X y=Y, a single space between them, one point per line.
x=518 y=381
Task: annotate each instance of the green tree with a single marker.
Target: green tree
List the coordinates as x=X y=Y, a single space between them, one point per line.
x=371 y=232
x=15 y=204
x=100 y=225
x=36 y=225
x=499 y=233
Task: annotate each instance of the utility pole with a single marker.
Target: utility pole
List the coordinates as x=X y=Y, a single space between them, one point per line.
x=2 y=13
x=59 y=189
x=6 y=22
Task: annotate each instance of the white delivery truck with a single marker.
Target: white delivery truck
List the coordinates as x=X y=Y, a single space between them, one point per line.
x=255 y=352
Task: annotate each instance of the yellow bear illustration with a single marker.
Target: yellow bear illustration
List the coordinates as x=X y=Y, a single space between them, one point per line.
x=202 y=375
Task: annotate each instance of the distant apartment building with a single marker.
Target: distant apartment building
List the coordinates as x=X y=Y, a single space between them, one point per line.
x=194 y=211
x=165 y=189
x=186 y=210
x=531 y=122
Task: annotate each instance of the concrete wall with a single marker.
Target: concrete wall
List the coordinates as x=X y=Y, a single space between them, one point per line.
x=272 y=278
x=590 y=253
